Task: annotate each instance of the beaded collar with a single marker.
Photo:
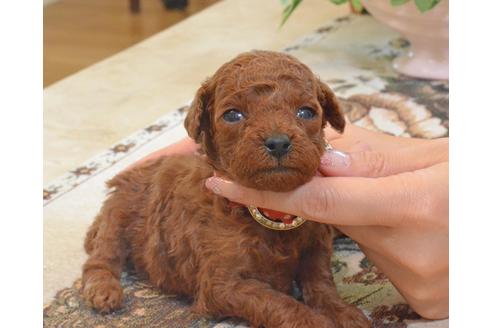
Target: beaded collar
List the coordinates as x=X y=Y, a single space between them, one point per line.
x=275 y=220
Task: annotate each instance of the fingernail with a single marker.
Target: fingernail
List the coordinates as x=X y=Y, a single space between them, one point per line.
x=213 y=184
x=335 y=158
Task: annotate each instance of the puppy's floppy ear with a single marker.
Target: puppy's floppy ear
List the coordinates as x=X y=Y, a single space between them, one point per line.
x=197 y=121
x=331 y=108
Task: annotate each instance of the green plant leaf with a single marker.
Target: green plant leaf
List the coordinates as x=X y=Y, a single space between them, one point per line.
x=357 y=5
x=426 y=5
x=338 y=2
x=289 y=9
x=398 y=2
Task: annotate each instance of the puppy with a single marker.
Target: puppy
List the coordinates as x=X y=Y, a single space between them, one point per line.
x=259 y=120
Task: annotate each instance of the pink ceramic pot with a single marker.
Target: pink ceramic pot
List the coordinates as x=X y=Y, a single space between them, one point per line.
x=427 y=32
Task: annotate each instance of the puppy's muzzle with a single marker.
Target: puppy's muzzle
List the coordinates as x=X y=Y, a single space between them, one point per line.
x=278 y=145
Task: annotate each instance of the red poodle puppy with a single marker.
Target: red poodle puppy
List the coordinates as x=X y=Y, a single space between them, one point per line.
x=259 y=120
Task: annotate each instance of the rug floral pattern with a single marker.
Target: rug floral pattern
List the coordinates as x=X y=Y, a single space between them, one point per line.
x=372 y=96
x=358 y=282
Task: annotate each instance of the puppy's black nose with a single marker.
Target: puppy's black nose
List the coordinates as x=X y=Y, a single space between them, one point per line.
x=278 y=145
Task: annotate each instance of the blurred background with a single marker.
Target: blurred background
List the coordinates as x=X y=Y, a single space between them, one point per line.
x=78 y=33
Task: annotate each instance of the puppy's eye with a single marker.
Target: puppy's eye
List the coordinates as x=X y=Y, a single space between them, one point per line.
x=233 y=116
x=306 y=113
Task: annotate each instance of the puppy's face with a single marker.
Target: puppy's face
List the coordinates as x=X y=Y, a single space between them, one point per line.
x=260 y=120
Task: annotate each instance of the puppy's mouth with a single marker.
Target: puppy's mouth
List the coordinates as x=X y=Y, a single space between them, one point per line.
x=279 y=169
x=278 y=178
x=274 y=174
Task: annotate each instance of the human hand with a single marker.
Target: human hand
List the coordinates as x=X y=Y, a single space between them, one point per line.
x=391 y=196
x=184 y=146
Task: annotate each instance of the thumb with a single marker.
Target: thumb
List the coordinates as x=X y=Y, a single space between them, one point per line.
x=380 y=164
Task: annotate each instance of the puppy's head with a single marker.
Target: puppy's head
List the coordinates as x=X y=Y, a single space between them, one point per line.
x=260 y=120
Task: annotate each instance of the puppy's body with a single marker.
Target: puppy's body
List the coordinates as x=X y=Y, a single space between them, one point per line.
x=179 y=234
x=188 y=241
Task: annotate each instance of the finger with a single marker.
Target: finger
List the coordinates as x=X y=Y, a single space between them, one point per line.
x=354 y=134
x=247 y=196
x=384 y=163
x=338 y=200
x=407 y=200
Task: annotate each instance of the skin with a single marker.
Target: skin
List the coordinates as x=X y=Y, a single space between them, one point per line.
x=389 y=194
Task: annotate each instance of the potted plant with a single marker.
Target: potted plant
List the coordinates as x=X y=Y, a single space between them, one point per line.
x=425 y=23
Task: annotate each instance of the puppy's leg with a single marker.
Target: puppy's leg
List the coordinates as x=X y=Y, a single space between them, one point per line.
x=101 y=272
x=319 y=291
x=91 y=234
x=255 y=301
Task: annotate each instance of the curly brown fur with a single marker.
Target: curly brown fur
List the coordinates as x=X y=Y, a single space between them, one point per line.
x=186 y=240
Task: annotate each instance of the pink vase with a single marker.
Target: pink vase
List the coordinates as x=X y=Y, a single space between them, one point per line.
x=428 y=33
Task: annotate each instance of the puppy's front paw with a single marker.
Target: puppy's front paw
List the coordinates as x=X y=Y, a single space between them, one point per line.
x=103 y=292
x=352 y=317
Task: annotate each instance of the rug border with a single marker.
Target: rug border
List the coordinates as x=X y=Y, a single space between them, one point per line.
x=112 y=155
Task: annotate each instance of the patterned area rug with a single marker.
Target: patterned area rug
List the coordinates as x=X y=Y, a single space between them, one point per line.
x=353 y=55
